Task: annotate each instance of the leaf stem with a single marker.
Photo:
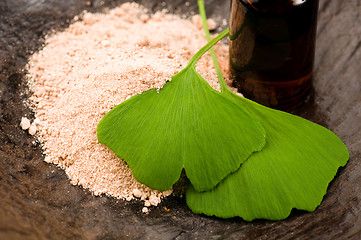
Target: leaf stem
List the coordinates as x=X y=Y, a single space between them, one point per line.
x=222 y=82
x=208 y=46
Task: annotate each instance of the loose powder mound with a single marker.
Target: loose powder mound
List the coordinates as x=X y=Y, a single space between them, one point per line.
x=96 y=64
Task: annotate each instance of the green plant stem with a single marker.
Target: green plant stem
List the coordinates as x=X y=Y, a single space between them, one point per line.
x=208 y=46
x=222 y=82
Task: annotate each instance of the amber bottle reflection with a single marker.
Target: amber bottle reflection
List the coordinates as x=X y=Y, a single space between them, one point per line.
x=272 y=45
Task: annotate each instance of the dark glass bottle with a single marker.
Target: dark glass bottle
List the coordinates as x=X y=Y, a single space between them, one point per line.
x=272 y=46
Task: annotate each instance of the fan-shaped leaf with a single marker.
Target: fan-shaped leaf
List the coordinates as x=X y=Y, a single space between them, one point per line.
x=293 y=170
x=187 y=124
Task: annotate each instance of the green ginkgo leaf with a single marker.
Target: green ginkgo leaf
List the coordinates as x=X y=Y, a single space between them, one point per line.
x=186 y=124
x=293 y=169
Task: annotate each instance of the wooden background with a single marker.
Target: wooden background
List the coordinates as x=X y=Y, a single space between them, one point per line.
x=38 y=202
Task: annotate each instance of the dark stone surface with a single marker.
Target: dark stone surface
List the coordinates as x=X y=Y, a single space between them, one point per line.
x=38 y=202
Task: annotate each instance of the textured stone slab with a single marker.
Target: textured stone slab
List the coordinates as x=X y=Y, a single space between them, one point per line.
x=38 y=202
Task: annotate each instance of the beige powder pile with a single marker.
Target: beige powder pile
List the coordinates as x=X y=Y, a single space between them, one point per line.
x=92 y=66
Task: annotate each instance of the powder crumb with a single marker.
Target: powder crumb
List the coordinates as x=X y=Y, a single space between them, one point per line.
x=137 y=193
x=145 y=210
x=25 y=123
x=212 y=25
x=32 y=129
x=197 y=21
x=147 y=203
x=96 y=64
x=36 y=121
x=154 y=200
x=144 y=18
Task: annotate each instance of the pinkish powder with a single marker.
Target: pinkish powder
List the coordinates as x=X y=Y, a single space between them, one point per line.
x=92 y=66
